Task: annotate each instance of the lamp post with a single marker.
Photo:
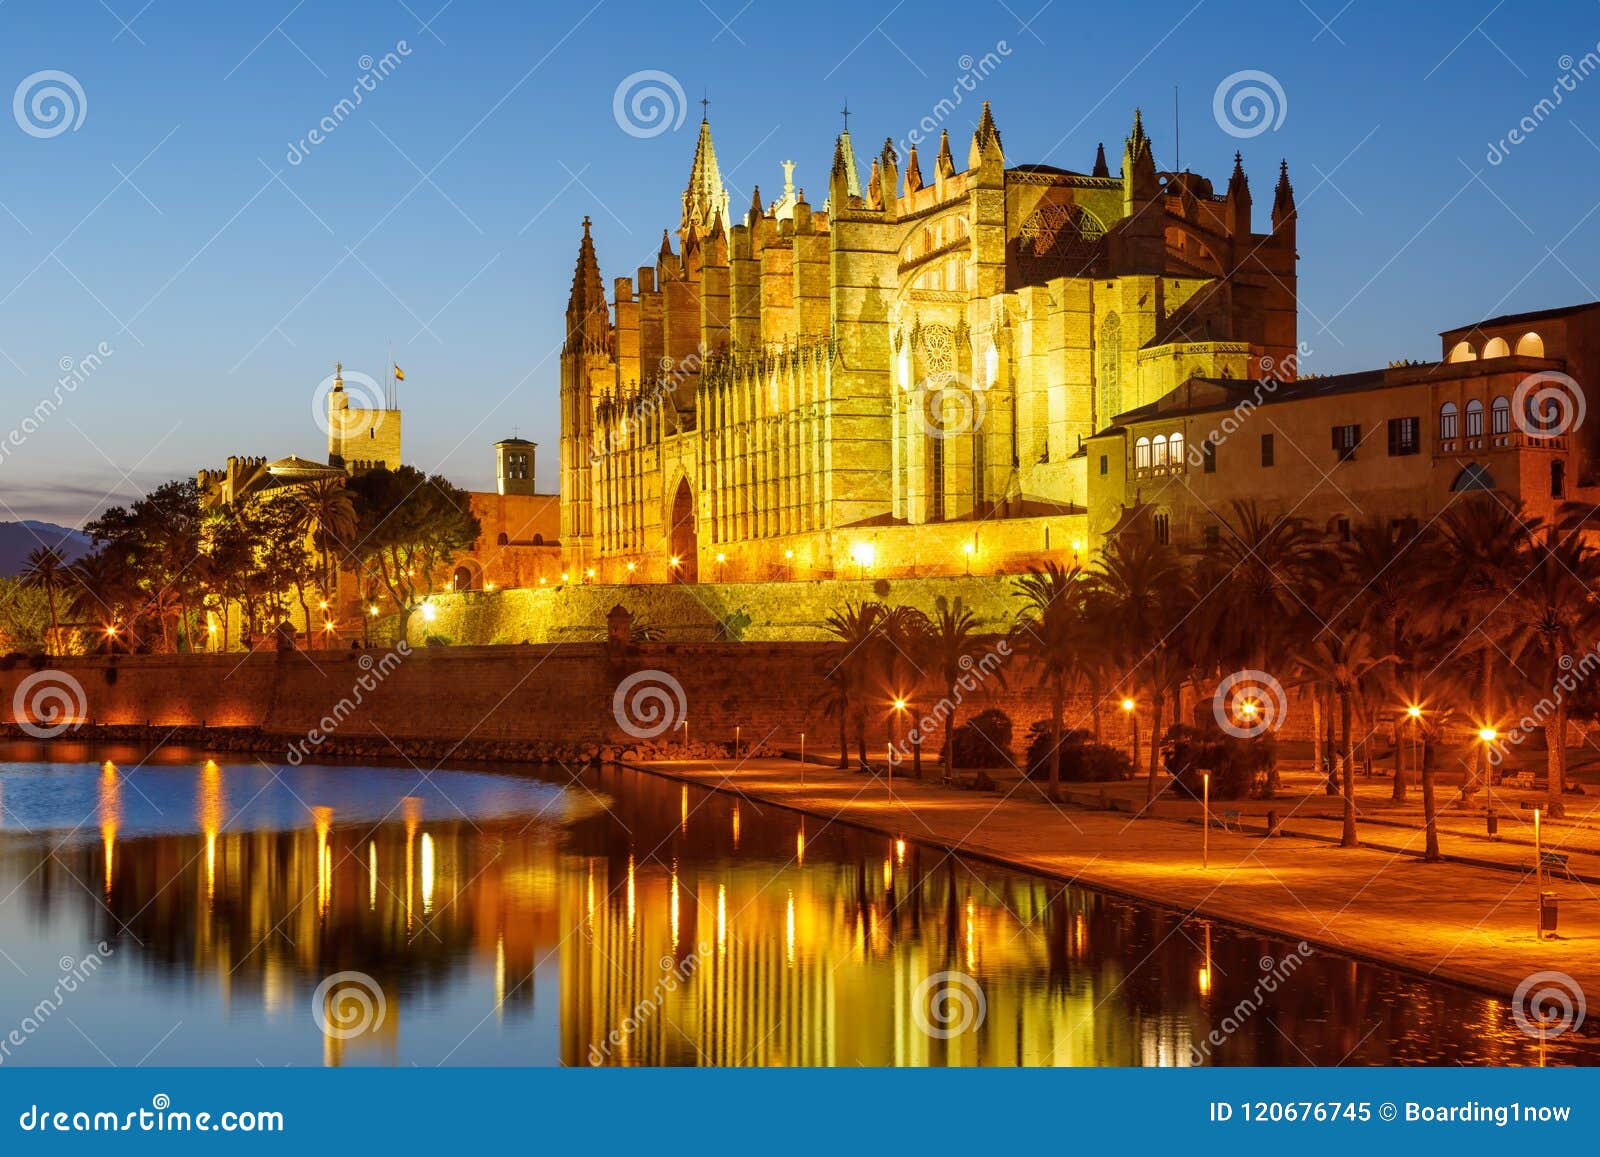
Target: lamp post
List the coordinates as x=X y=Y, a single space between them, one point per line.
x=722 y=560
x=1491 y=821
x=1131 y=709
x=967 y=549
x=788 y=558
x=1205 y=819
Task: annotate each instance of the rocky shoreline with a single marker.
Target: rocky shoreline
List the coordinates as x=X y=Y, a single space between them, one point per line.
x=298 y=748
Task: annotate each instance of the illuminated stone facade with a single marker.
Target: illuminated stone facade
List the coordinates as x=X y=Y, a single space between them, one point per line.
x=901 y=382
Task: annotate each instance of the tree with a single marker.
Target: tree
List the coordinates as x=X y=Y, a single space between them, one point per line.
x=1050 y=629
x=904 y=633
x=24 y=616
x=99 y=593
x=953 y=647
x=45 y=570
x=850 y=663
x=1138 y=588
x=408 y=526
x=325 y=511
x=1346 y=662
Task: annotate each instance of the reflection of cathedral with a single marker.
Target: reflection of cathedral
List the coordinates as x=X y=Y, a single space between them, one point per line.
x=689 y=932
x=786 y=389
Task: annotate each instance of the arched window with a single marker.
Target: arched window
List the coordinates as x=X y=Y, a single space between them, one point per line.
x=1158 y=451
x=538 y=540
x=1474 y=419
x=1175 y=451
x=1109 y=397
x=1463 y=352
x=1496 y=347
x=1530 y=345
x=1500 y=415
x=1141 y=454
x=1449 y=421
x=502 y=539
x=1473 y=476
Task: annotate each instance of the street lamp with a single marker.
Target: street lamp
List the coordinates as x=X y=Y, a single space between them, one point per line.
x=967 y=549
x=722 y=561
x=788 y=557
x=1130 y=707
x=1491 y=821
x=630 y=573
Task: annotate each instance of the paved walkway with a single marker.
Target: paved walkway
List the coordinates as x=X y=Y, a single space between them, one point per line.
x=1471 y=919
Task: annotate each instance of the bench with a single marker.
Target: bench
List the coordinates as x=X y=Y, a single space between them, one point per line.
x=1229 y=821
x=1554 y=862
x=1522 y=779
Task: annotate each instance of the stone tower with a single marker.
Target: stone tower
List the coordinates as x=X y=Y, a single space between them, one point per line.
x=513 y=462
x=587 y=370
x=363 y=426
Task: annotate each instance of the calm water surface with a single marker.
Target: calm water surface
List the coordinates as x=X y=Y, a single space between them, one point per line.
x=496 y=918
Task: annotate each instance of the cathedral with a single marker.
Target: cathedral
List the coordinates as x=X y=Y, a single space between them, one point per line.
x=902 y=381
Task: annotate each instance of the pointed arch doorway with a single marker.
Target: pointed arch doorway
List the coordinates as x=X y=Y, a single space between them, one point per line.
x=684 y=540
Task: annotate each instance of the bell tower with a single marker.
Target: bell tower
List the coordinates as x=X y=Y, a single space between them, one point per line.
x=513 y=465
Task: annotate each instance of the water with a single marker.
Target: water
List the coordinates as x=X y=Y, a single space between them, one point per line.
x=179 y=911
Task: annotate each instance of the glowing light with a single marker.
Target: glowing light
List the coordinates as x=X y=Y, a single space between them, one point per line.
x=427 y=872
x=565 y=577
x=373 y=610
x=590 y=572
x=788 y=554
x=722 y=557
x=966 y=548
x=1488 y=734
x=674 y=561
x=1077 y=546
x=212 y=627
x=1205 y=982
x=327 y=625
x=899 y=704
x=429 y=612
x=1414 y=711
x=111 y=631
x=541 y=580
x=1128 y=705
x=323 y=605
x=1248 y=708
x=630 y=566
x=862 y=553
x=488 y=586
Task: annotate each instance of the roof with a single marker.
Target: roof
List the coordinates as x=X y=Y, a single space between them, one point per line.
x=1208 y=395
x=514 y=442
x=302 y=468
x=1520 y=318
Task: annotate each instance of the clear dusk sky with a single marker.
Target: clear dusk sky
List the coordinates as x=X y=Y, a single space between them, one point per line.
x=442 y=215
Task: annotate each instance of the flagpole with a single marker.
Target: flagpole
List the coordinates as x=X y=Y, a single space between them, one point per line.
x=392 y=401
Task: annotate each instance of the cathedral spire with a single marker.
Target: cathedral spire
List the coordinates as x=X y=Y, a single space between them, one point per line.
x=1283 y=211
x=944 y=165
x=913 y=172
x=845 y=181
x=756 y=211
x=705 y=195
x=1237 y=210
x=588 y=318
x=1101 y=169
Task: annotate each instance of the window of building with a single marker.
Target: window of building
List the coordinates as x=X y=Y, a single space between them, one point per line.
x=1208 y=457
x=1141 y=454
x=502 y=539
x=1474 y=419
x=1267 y=450
x=1500 y=415
x=1496 y=347
x=1449 y=422
x=1105 y=464
x=517 y=466
x=935 y=479
x=1558 y=479
x=1530 y=345
x=1175 y=451
x=1463 y=352
x=1405 y=436
x=1158 y=451
x=1163 y=528
x=1345 y=441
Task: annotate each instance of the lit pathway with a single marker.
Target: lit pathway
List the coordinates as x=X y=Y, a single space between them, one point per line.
x=1454 y=920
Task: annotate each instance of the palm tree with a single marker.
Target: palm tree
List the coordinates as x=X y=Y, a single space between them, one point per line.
x=1546 y=622
x=1348 y=664
x=1050 y=629
x=953 y=647
x=850 y=663
x=903 y=633
x=325 y=511
x=46 y=569
x=98 y=593
x=1141 y=586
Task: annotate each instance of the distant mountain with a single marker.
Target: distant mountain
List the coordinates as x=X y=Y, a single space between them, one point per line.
x=19 y=539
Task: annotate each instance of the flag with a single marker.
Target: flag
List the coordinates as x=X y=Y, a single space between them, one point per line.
x=399 y=374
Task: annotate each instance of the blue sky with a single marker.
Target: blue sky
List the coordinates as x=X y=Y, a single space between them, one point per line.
x=442 y=214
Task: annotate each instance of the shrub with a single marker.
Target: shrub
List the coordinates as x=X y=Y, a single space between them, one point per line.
x=1235 y=764
x=984 y=740
x=434 y=639
x=1081 y=760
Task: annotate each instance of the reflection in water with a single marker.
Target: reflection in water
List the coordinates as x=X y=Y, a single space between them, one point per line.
x=679 y=928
